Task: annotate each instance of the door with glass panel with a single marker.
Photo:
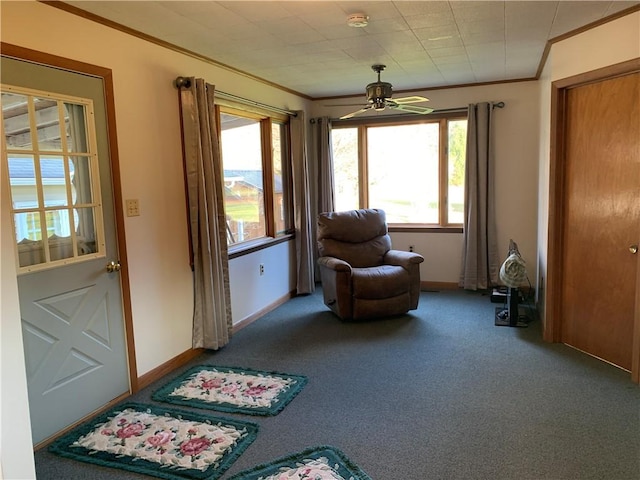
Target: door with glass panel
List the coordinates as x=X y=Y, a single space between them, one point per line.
x=55 y=147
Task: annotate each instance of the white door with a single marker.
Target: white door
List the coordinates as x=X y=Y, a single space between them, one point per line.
x=56 y=147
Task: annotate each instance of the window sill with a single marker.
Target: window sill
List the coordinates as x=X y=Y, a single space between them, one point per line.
x=246 y=248
x=414 y=228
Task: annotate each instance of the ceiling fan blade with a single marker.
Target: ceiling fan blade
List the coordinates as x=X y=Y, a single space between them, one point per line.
x=413 y=99
x=353 y=114
x=412 y=108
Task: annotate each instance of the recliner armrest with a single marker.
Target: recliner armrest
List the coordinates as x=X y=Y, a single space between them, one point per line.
x=334 y=264
x=402 y=258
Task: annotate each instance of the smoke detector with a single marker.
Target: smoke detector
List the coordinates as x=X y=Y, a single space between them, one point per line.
x=358 y=20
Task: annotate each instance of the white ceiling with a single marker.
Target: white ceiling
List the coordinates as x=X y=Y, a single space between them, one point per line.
x=307 y=46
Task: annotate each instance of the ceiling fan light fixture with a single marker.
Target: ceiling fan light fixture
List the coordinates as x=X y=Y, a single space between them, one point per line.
x=358 y=20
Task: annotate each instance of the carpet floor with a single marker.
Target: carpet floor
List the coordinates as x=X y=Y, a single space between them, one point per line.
x=439 y=393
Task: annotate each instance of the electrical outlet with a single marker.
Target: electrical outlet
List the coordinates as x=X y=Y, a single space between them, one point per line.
x=133 y=208
x=262 y=269
x=411 y=247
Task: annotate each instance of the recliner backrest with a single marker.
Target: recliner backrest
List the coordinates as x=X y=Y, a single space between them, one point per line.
x=359 y=237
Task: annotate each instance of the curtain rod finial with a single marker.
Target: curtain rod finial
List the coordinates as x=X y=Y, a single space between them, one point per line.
x=182 y=82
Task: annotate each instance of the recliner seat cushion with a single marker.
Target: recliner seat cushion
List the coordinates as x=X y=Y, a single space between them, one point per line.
x=384 y=281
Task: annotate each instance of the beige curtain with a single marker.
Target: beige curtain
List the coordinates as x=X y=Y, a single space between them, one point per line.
x=212 y=321
x=480 y=262
x=305 y=242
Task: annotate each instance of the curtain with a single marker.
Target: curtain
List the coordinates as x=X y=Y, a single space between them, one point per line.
x=480 y=261
x=321 y=174
x=301 y=204
x=77 y=131
x=212 y=321
x=322 y=159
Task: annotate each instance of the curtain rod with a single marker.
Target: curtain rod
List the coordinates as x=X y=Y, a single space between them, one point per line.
x=186 y=83
x=464 y=109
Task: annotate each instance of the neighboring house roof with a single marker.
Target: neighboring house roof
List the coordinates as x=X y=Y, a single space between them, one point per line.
x=23 y=168
x=252 y=178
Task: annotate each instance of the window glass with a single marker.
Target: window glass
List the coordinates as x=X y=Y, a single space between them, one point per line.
x=47 y=119
x=243 y=178
x=404 y=168
x=403 y=172
x=15 y=110
x=456 y=165
x=281 y=178
x=345 y=161
x=52 y=171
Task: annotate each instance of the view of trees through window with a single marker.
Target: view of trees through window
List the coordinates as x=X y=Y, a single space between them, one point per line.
x=405 y=167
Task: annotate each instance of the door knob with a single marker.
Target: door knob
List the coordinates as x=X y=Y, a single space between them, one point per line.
x=633 y=249
x=113 y=266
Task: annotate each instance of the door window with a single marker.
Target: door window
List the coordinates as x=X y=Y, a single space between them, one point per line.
x=49 y=149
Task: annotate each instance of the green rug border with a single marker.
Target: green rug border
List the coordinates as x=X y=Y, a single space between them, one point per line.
x=62 y=445
x=351 y=470
x=162 y=394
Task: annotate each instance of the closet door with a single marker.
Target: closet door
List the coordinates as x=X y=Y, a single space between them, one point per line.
x=601 y=218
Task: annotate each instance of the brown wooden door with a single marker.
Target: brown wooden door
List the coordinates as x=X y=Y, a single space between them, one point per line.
x=601 y=218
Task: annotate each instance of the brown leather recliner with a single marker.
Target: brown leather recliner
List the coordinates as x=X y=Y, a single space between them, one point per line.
x=362 y=277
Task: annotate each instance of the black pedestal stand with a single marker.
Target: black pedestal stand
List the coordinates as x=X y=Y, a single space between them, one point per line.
x=510 y=317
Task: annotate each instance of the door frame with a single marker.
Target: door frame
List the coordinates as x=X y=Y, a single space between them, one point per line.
x=552 y=330
x=26 y=54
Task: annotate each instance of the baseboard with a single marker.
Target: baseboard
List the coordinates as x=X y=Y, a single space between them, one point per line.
x=168 y=367
x=255 y=316
x=425 y=286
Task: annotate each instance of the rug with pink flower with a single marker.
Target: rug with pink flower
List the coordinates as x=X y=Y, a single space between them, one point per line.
x=231 y=389
x=315 y=463
x=162 y=442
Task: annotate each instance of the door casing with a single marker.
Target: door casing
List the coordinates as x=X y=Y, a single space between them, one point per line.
x=553 y=324
x=21 y=53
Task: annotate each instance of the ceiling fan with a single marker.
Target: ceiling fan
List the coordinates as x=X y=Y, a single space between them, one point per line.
x=379 y=97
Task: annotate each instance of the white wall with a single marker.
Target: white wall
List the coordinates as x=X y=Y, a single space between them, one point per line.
x=608 y=44
x=251 y=291
x=148 y=130
x=516 y=161
x=150 y=154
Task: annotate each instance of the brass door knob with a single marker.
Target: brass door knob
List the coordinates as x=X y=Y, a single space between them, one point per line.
x=113 y=266
x=633 y=249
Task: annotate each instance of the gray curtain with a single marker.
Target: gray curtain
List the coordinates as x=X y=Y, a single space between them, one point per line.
x=480 y=262
x=321 y=157
x=305 y=242
x=212 y=321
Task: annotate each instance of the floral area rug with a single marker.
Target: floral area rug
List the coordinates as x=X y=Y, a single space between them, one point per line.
x=316 y=463
x=234 y=390
x=166 y=443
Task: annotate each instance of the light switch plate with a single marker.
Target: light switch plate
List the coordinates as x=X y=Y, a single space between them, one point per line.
x=133 y=208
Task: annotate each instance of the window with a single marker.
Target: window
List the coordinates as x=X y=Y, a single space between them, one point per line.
x=49 y=150
x=256 y=170
x=414 y=170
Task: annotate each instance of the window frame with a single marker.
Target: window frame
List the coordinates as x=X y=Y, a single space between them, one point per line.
x=443 y=119
x=266 y=119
